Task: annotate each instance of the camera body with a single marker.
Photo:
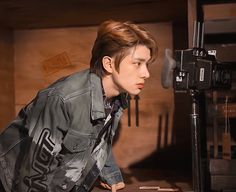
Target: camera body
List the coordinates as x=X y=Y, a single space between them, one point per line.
x=198 y=70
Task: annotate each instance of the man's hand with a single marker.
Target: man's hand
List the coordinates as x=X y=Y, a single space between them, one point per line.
x=114 y=187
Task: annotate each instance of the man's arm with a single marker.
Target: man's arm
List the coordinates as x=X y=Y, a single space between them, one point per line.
x=111 y=177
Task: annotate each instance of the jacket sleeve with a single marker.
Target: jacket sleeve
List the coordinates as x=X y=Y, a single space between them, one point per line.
x=46 y=128
x=29 y=144
x=111 y=173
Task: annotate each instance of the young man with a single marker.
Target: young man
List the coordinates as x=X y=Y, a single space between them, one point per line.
x=62 y=140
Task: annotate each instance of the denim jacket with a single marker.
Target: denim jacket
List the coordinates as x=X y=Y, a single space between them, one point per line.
x=48 y=145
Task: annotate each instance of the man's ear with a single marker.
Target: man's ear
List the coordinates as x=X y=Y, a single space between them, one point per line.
x=107 y=64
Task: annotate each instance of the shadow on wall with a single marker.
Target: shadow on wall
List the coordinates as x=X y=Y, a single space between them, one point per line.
x=175 y=157
x=168 y=166
x=172 y=155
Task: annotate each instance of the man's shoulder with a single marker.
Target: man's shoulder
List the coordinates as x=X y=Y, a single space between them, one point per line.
x=73 y=85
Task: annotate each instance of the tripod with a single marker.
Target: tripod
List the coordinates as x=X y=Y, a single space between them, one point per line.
x=198 y=166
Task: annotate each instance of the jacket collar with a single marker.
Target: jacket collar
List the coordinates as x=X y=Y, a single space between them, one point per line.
x=97 y=106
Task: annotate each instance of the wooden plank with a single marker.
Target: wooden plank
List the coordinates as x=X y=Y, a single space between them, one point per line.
x=231 y=111
x=220 y=11
x=219 y=182
x=6 y=76
x=222 y=167
x=38 y=14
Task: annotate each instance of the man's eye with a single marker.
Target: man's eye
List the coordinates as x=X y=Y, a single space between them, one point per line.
x=137 y=63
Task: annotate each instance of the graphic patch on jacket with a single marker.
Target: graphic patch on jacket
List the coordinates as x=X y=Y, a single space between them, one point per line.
x=42 y=159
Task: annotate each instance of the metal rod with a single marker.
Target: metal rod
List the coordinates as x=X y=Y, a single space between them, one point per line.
x=202 y=36
x=196 y=148
x=129 y=110
x=215 y=125
x=194 y=34
x=136 y=110
x=198 y=34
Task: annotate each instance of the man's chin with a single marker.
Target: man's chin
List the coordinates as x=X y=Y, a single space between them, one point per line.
x=134 y=92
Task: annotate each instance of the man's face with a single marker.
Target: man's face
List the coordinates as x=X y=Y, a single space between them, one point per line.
x=133 y=71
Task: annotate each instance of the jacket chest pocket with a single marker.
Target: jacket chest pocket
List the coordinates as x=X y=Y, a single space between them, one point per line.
x=75 y=142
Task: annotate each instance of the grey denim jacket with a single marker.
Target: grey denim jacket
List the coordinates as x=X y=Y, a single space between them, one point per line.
x=47 y=146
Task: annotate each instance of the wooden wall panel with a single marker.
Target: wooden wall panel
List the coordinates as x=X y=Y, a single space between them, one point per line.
x=34 y=48
x=222 y=11
x=6 y=77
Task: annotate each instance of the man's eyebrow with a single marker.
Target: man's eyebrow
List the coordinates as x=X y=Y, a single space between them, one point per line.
x=139 y=59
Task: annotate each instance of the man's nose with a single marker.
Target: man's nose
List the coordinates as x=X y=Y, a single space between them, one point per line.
x=145 y=72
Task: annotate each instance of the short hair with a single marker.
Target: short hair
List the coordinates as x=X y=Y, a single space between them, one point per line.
x=115 y=38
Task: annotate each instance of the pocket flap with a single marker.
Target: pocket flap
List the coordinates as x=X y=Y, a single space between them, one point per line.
x=76 y=142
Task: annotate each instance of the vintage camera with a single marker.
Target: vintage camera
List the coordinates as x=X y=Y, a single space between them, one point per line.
x=198 y=69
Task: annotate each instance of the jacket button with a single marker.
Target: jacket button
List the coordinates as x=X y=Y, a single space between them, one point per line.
x=64 y=186
x=4 y=164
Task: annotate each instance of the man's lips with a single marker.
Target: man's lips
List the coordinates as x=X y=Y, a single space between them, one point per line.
x=140 y=85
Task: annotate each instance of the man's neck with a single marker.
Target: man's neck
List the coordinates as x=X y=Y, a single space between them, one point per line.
x=109 y=87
